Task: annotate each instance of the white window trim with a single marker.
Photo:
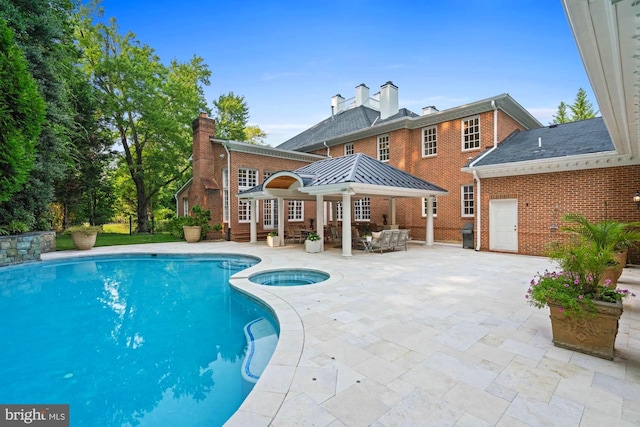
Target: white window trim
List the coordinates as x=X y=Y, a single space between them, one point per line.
x=254 y=179
x=226 y=208
x=466 y=119
x=242 y=202
x=301 y=219
x=424 y=131
x=424 y=207
x=380 y=137
x=350 y=144
x=462 y=207
x=362 y=210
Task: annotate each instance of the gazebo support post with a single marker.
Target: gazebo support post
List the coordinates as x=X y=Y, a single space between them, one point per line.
x=320 y=219
x=346 y=223
x=281 y=220
x=253 y=210
x=429 y=229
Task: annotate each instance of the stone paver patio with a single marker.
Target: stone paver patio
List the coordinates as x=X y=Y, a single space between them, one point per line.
x=434 y=336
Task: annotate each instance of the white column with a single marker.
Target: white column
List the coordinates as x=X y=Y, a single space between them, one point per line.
x=281 y=220
x=346 y=223
x=253 y=215
x=320 y=218
x=334 y=213
x=429 y=230
x=392 y=210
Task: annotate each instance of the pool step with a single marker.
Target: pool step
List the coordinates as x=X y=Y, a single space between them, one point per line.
x=261 y=340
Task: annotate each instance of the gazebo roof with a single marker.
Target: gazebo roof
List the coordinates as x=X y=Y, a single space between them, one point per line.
x=358 y=173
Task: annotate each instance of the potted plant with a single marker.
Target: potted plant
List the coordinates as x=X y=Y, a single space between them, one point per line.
x=313 y=244
x=608 y=236
x=273 y=240
x=196 y=226
x=584 y=314
x=84 y=236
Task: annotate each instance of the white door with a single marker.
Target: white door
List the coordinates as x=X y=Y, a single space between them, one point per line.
x=503 y=225
x=270 y=214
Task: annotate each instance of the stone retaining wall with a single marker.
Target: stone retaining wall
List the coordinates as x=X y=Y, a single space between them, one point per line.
x=26 y=247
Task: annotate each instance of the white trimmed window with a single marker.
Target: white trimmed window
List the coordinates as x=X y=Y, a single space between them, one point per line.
x=247 y=178
x=338 y=211
x=296 y=210
x=467 y=202
x=429 y=141
x=424 y=207
x=471 y=133
x=362 y=209
x=348 y=149
x=244 y=211
x=185 y=206
x=383 y=148
x=225 y=195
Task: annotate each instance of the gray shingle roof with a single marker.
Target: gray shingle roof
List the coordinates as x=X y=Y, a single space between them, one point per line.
x=569 y=139
x=342 y=123
x=362 y=169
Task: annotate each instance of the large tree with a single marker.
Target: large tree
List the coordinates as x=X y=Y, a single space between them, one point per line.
x=43 y=31
x=21 y=115
x=149 y=106
x=232 y=114
x=581 y=109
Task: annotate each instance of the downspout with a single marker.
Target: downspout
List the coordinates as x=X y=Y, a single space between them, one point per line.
x=228 y=191
x=328 y=149
x=477 y=178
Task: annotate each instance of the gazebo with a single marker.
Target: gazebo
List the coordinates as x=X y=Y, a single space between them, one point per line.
x=342 y=179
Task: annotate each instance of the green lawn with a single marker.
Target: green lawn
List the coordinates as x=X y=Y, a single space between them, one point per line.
x=64 y=243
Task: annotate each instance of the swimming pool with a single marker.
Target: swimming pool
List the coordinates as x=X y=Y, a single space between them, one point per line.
x=128 y=340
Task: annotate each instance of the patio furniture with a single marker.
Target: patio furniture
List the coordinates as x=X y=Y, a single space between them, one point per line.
x=383 y=243
x=293 y=234
x=403 y=237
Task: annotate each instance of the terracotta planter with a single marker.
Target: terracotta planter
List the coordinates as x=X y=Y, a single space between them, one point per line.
x=621 y=257
x=273 y=241
x=313 y=246
x=192 y=233
x=587 y=334
x=83 y=241
x=612 y=273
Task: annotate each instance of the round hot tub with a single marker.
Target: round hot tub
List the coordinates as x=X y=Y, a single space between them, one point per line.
x=290 y=277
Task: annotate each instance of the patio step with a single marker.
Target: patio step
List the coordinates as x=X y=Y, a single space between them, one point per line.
x=261 y=340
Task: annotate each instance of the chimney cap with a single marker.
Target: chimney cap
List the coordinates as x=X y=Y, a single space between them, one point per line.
x=389 y=83
x=362 y=84
x=338 y=95
x=203 y=114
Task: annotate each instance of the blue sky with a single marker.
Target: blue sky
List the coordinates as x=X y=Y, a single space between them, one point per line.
x=288 y=58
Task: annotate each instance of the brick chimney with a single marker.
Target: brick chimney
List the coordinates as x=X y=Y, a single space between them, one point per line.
x=203 y=157
x=388 y=100
x=362 y=95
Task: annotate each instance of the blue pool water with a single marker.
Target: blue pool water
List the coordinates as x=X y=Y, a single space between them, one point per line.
x=290 y=277
x=134 y=340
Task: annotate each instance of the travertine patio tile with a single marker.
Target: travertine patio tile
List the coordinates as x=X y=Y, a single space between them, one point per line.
x=615 y=368
x=356 y=406
x=498 y=356
x=455 y=368
x=468 y=420
x=317 y=383
x=301 y=411
x=522 y=349
x=479 y=403
x=501 y=392
x=590 y=397
x=528 y=381
x=387 y=350
x=624 y=389
x=557 y=413
x=421 y=409
x=380 y=370
x=344 y=352
x=244 y=418
x=462 y=337
x=430 y=380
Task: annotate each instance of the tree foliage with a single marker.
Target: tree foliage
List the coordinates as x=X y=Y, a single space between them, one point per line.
x=148 y=106
x=581 y=109
x=232 y=114
x=43 y=32
x=21 y=115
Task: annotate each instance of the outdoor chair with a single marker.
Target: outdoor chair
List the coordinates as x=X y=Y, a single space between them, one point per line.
x=293 y=234
x=403 y=237
x=395 y=235
x=382 y=243
x=335 y=234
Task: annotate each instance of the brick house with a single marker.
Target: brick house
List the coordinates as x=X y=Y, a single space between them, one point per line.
x=527 y=183
x=434 y=146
